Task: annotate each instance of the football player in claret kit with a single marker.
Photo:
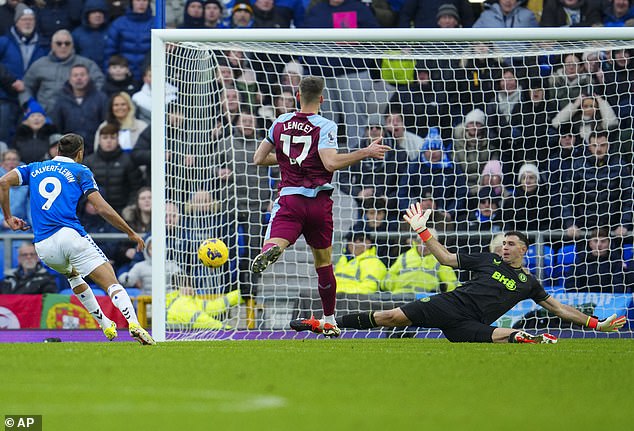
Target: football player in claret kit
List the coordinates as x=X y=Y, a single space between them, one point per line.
x=304 y=145
x=466 y=313
x=55 y=187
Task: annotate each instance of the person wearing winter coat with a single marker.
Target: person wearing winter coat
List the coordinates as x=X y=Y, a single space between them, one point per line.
x=130 y=36
x=46 y=77
x=29 y=277
x=571 y=13
x=506 y=14
x=90 y=37
x=32 y=136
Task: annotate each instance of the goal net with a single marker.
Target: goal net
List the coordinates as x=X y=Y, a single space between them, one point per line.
x=496 y=130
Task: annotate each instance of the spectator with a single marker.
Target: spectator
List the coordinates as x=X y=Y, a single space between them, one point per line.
x=436 y=171
x=417 y=270
x=292 y=75
x=116 y=174
x=421 y=103
x=143 y=98
x=528 y=208
x=359 y=270
x=10 y=85
x=530 y=126
x=90 y=37
x=587 y=114
x=448 y=16
x=46 y=77
x=404 y=139
x=266 y=14
x=53 y=146
x=294 y=11
x=374 y=222
x=567 y=83
x=7 y=15
x=370 y=179
x=213 y=14
x=470 y=81
x=242 y=16
x=129 y=36
x=119 y=78
x=505 y=105
x=80 y=106
x=193 y=14
x=31 y=137
x=602 y=189
x=19 y=196
x=142 y=155
x=618 y=13
x=347 y=99
x=506 y=14
x=140 y=275
x=487 y=216
x=139 y=214
x=600 y=266
x=20 y=47
x=29 y=277
x=558 y=174
x=619 y=77
x=55 y=15
x=492 y=176
x=472 y=147
x=571 y=13
x=121 y=111
x=253 y=198
x=426 y=14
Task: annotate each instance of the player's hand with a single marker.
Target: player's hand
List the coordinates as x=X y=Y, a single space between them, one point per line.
x=416 y=218
x=376 y=150
x=16 y=223
x=611 y=324
x=140 y=244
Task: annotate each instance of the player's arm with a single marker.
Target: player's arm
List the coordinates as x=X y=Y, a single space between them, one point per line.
x=104 y=209
x=571 y=314
x=264 y=155
x=8 y=180
x=417 y=219
x=333 y=160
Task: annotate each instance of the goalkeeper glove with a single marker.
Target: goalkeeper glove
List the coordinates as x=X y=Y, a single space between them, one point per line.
x=418 y=220
x=609 y=324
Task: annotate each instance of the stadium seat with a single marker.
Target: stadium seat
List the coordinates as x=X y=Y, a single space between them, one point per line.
x=67 y=291
x=133 y=292
x=628 y=252
x=565 y=260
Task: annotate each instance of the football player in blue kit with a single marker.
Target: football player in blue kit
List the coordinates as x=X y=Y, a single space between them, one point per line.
x=55 y=188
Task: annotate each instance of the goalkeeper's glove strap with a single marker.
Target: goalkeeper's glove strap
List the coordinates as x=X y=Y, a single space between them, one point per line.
x=592 y=322
x=425 y=235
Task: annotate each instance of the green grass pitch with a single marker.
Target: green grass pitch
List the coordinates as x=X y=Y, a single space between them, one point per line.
x=321 y=384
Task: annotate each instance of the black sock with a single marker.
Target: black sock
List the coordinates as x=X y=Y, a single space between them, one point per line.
x=357 y=321
x=512 y=337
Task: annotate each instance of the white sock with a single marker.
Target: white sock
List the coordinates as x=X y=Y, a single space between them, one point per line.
x=87 y=298
x=122 y=301
x=330 y=319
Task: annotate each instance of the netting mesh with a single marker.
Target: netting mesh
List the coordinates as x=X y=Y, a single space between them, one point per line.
x=533 y=136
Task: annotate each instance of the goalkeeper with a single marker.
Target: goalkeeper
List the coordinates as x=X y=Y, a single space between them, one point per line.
x=466 y=314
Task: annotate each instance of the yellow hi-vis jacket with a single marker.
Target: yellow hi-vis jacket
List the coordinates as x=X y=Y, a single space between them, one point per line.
x=362 y=274
x=413 y=273
x=200 y=313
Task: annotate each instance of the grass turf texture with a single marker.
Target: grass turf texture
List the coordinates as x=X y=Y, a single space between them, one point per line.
x=395 y=384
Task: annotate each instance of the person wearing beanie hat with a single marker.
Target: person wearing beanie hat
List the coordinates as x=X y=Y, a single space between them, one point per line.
x=425 y=13
x=529 y=207
x=31 y=137
x=242 y=16
x=22 y=10
x=448 y=16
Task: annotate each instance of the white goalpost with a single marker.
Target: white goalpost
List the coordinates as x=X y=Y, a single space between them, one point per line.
x=496 y=129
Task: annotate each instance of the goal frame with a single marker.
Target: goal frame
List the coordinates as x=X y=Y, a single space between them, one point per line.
x=162 y=36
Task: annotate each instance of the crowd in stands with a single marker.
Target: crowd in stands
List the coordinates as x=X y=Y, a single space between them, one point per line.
x=491 y=144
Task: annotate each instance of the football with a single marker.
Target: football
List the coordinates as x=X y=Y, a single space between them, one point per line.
x=213 y=252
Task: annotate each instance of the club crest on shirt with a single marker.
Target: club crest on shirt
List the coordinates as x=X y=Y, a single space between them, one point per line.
x=522 y=277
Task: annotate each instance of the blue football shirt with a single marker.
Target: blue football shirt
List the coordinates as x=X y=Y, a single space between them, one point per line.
x=55 y=187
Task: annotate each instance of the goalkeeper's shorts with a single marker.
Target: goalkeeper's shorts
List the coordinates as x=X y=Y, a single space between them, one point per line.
x=457 y=324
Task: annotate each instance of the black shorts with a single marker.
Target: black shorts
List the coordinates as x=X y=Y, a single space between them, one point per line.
x=458 y=325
